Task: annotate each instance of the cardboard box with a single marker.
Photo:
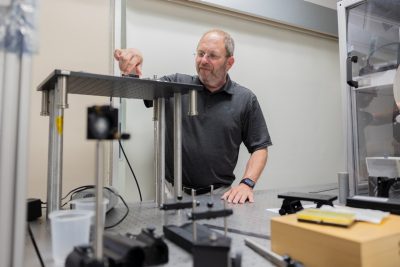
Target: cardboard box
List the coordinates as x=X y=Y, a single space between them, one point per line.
x=362 y=244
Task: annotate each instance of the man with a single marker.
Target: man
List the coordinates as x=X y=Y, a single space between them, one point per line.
x=229 y=114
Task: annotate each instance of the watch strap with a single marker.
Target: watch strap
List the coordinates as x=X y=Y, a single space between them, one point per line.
x=247 y=181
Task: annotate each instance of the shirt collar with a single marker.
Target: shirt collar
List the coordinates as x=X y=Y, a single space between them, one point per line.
x=227 y=87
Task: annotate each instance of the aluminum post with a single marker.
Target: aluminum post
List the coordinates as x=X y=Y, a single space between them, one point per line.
x=156 y=151
x=161 y=151
x=45 y=103
x=99 y=226
x=58 y=101
x=194 y=226
x=178 y=145
x=193 y=103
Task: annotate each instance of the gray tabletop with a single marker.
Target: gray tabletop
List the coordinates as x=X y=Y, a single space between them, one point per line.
x=249 y=217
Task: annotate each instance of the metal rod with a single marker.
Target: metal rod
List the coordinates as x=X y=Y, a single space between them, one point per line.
x=343 y=184
x=225 y=221
x=156 y=151
x=193 y=210
x=99 y=226
x=178 y=145
x=155 y=110
x=161 y=151
x=274 y=258
x=57 y=102
x=45 y=103
x=63 y=94
x=193 y=103
x=212 y=194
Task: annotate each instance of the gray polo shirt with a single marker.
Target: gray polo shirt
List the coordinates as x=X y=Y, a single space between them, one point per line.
x=211 y=140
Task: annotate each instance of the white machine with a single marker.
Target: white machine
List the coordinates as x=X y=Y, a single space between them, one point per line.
x=369 y=39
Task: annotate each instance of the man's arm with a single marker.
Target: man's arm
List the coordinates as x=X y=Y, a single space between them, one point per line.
x=255 y=165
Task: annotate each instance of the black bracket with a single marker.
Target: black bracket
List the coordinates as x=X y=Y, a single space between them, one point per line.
x=290 y=206
x=384 y=184
x=180 y=205
x=291 y=201
x=210 y=214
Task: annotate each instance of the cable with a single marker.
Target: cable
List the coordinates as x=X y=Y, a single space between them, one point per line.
x=70 y=192
x=35 y=245
x=130 y=167
x=82 y=188
x=325 y=190
x=76 y=189
x=123 y=218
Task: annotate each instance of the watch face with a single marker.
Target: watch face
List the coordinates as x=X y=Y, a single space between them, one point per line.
x=248 y=182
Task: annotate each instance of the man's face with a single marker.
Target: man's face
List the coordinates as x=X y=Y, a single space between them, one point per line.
x=212 y=64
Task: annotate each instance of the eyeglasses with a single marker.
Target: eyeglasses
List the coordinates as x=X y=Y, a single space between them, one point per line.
x=211 y=56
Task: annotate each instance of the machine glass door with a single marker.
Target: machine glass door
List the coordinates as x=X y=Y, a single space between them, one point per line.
x=373 y=36
x=373 y=40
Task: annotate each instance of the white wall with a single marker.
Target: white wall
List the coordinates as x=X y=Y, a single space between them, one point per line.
x=294 y=75
x=73 y=35
x=326 y=3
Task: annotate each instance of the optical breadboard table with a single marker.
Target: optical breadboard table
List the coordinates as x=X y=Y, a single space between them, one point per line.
x=55 y=89
x=114 y=86
x=249 y=220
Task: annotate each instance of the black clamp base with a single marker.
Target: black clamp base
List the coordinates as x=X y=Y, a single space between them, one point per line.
x=144 y=249
x=182 y=235
x=211 y=249
x=83 y=256
x=291 y=201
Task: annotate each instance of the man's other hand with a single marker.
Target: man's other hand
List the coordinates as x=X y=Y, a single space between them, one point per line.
x=130 y=60
x=239 y=194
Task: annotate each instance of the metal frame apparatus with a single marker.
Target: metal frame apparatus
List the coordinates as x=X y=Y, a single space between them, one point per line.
x=346 y=92
x=17 y=30
x=381 y=79
x=55 y=89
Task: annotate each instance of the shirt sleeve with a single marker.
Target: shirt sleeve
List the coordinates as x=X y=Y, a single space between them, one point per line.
x=255 y=131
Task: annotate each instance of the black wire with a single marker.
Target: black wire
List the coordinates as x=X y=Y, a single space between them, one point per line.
x=123 y=218
x=82 y=188
x=130 y=167
x=36 y=247
x=70 y=192
x=325 y=190
x=76 y=189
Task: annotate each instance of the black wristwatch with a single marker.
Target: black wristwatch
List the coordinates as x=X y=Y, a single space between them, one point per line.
x=247 y=181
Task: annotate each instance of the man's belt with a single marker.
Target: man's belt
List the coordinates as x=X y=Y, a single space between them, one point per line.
x=201 y=190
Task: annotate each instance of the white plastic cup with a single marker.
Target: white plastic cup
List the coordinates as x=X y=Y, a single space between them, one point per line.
x=69 y=228
x=89 y=203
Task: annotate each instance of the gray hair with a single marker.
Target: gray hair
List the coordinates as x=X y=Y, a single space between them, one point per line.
x=228 y=40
